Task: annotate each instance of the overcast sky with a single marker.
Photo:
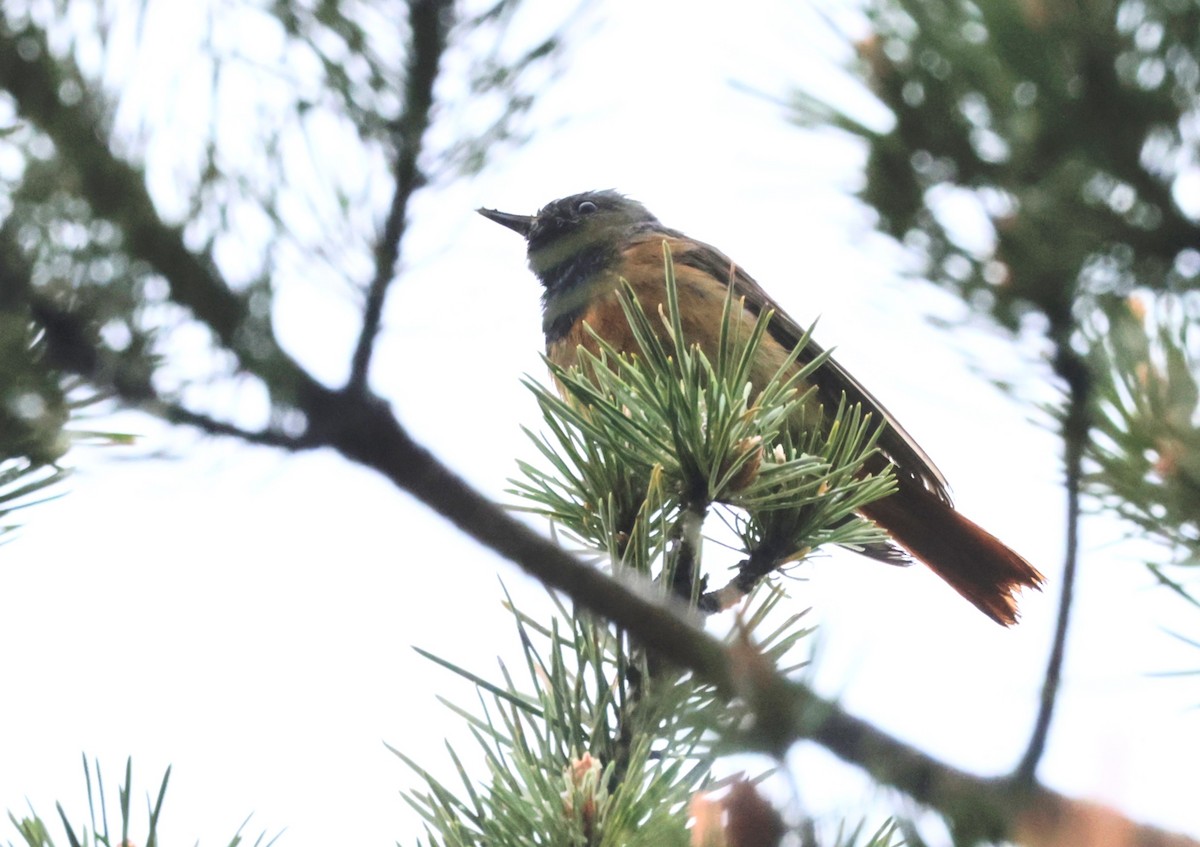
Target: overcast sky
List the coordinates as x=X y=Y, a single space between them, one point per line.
x=246 y=615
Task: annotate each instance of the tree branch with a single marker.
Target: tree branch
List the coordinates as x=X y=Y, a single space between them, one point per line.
x=69 y=348
x=1076 y=426
x=784 y=711
x=177 y=414
x=363 y=429
x=429 y=25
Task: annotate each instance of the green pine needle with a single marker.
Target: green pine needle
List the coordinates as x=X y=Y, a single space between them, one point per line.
x=557 y=764
x=96 y=832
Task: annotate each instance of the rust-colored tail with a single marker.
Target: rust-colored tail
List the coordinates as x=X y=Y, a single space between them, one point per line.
x=973 y=561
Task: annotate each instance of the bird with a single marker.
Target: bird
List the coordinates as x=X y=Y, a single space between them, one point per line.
x=582 y=246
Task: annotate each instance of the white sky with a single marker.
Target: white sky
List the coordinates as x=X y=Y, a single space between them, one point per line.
x=246 y=616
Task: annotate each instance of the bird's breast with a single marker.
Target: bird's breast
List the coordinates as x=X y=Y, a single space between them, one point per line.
x=701 y=306
x=601 y=315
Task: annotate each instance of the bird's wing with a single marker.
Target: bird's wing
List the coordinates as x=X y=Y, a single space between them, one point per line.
x=832 y=379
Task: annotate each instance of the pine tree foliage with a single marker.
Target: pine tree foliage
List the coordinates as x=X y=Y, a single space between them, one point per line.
x=33 y=413
x=576 y=754
x=1070 y=126
x=1067 y=128
x=602 y=744
x=1043 y=163
x=98 y=830
x=253 y=202
x=1147 y=449
x=42 y=411
x=591 y=744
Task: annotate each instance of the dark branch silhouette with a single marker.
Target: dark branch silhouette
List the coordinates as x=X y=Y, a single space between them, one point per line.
x=1075 y=428
x=429 y=21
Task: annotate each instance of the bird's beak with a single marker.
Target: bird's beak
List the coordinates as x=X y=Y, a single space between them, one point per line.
x=518 y=223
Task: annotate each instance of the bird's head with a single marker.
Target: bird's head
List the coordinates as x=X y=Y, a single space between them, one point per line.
x=587 y=228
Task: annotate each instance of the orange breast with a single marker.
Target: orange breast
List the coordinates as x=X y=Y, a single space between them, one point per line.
x=701 y=302
x=605 y=317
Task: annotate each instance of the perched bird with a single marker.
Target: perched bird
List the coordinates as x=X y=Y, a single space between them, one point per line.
x=581 y=247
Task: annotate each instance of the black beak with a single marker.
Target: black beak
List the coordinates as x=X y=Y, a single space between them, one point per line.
x=518 y=223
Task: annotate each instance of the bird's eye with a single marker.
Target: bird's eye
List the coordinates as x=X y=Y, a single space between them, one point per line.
x=586 y=207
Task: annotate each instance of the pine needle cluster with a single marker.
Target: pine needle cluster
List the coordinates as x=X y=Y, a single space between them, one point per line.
x=597 y=742
x=641 y=447
x=1147 y=443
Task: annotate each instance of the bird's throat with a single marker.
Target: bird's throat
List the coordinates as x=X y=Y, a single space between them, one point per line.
x=571 y=284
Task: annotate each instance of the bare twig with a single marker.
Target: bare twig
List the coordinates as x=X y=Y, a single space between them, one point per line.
x=1076 y=426
x=265 y=437
x=429 y=23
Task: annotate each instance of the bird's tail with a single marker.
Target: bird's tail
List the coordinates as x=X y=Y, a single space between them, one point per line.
x=973 y=561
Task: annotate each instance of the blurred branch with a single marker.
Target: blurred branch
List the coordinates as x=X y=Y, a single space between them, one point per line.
x=114 y=188
x=265 y=437
x=429 y=22
x=1075 y=432
x=67 y=345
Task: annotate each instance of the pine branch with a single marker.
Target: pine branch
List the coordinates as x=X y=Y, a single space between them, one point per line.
x=1147 y=450
x=783 y=712
x=1040 y=116
x=657 y=411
